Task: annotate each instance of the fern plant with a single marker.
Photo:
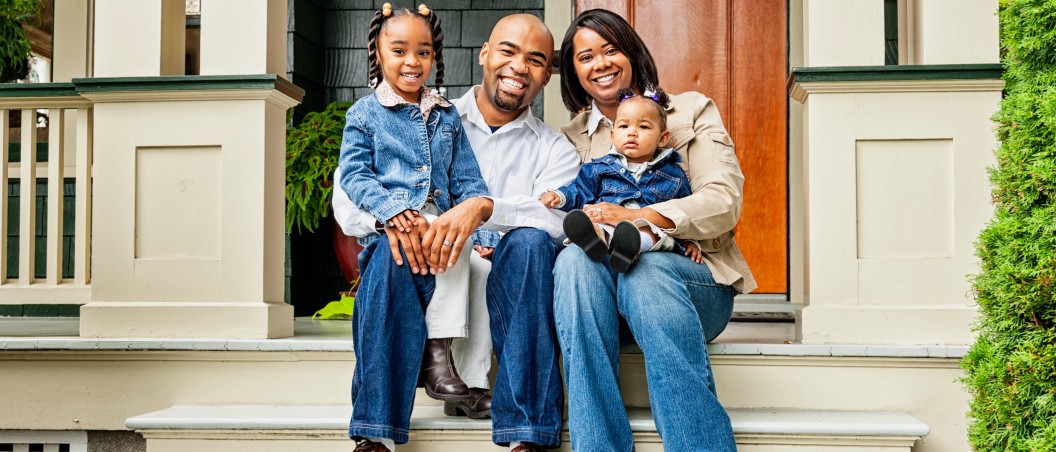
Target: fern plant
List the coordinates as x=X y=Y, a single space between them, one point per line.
x=312 y=150
x=1011 y=368
x=14 y=46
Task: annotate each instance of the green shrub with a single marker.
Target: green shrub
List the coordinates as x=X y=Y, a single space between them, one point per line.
x=1011 y=369
x=312 y=150
x=14 y=47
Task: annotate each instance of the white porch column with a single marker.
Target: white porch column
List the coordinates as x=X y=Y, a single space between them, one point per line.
x=189 y=174
x=895 y=194
x=843 y=32
x=139 y=37
x=244 y=37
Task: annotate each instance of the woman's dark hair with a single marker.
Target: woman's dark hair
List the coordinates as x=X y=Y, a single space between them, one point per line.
x=654 y=95
x=620 y=34
x=378 y=23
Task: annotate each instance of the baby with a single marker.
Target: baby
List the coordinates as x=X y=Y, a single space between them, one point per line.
x=638 y=171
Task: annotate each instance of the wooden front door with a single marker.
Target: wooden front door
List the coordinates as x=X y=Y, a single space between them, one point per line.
x=736 y=53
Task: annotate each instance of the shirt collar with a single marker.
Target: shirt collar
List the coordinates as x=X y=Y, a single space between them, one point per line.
x=595 y=119
x=659 y=158
x=430 y=98
x=468 y=109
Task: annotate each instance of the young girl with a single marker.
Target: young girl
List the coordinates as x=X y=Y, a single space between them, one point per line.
x=405 y=159
x=637 y=171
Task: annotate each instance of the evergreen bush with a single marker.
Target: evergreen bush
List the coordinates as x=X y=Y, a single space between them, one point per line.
x=14 y=46
x=1011 y=368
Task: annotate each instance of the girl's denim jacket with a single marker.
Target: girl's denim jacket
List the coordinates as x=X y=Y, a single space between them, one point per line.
x=393 y=160
x=606 y=179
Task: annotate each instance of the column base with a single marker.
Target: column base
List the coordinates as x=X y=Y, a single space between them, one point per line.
x=886 y=324
x=187 y=320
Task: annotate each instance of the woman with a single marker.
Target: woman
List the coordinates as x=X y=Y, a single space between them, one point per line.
x=672 y=305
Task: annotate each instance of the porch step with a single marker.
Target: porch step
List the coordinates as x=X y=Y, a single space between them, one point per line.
x=291 y=428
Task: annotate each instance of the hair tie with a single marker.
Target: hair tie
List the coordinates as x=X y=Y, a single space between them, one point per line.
x=424 y=10
x=386 y=9
x=652 y=95
x=629 y=95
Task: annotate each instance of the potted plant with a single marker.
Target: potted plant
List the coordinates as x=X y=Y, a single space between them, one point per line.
x=312 y=150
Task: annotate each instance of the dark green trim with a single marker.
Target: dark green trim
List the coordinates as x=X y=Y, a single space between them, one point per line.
x=168 y=83
x=189 y=83
x=14 y=90
x=895 y=73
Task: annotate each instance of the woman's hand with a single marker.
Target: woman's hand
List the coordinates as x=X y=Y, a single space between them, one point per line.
x=609 y=213
x=411 y=242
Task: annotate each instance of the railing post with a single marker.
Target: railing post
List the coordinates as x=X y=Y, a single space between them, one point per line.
x=82 y=249
x=4 y=132
x=28 y=198
x=56 y=139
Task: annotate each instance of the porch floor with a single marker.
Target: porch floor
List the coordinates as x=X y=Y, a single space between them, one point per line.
x=740 y=338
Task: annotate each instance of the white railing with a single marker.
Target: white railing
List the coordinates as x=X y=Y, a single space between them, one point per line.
x=69 y=118
x=48 y=441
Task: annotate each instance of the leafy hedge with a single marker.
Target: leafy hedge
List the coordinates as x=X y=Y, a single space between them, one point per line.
x=14 y=47
x=1011 y=369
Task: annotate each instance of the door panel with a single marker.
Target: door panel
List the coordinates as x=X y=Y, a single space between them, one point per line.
x=736 y=53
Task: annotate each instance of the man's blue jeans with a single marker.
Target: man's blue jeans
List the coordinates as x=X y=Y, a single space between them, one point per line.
x=388 y=333
x=527 y=397
x=673 y=308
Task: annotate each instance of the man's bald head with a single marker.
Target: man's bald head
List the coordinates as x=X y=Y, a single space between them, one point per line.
x=521 y=22
x=516 y=61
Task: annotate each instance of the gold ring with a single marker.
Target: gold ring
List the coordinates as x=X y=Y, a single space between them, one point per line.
x=446 y=243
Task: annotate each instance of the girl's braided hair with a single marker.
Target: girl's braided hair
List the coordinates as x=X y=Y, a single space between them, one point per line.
x=654 y=94
x=378 y=23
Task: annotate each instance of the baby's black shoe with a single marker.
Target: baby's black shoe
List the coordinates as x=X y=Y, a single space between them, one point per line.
x=625 y=246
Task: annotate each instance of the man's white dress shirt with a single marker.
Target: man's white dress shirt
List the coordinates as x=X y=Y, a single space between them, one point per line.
x=519 y=162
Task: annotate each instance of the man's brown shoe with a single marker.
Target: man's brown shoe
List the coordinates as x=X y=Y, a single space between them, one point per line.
x=477 y=407
x=438 y=376
x=529 y=447
x=366 y=445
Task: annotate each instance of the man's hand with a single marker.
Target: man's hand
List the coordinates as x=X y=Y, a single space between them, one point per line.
x=444 y=239
x=550 y=199
x=411 y=242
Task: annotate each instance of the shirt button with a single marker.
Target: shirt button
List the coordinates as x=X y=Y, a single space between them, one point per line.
x=637 y=193
x=436 y=193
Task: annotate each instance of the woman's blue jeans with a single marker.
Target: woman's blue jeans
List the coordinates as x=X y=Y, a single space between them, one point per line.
x=673 y=307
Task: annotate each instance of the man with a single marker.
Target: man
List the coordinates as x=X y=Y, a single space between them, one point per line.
x=520 y=157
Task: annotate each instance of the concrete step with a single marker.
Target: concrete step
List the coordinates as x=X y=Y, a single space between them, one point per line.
x=292 y=428
x=97 y=384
